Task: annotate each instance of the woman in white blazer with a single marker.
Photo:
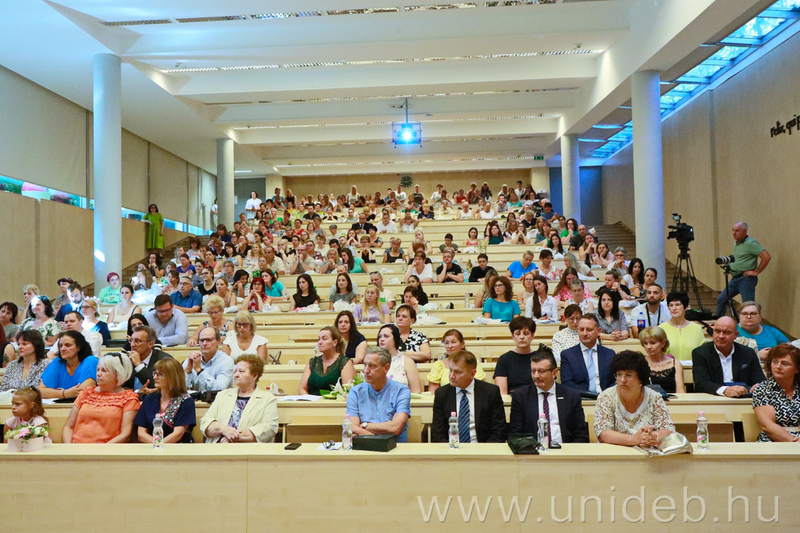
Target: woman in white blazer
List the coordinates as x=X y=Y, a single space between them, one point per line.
x=244 y=413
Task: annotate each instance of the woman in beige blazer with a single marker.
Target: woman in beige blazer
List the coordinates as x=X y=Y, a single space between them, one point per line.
x=244 y=413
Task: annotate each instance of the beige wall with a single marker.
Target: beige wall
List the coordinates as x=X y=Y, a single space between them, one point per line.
x=43 y=140
x=721 y=166
x=618 y=189
x=18 y=218
x=57 y=242
x=689 y=186
x=452 y=181
x=42 y=136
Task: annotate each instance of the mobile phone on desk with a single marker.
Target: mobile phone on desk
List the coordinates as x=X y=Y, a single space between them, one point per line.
x=292 y=446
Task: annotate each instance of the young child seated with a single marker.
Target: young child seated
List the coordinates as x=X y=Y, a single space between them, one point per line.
x=26 y=406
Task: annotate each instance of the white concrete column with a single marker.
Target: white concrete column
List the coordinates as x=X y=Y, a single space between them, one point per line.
x=571 y=177
x=107 y=168
x=225 y=182
x=648 y=178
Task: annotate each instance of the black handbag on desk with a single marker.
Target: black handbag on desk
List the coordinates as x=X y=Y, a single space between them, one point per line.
x=523 y=444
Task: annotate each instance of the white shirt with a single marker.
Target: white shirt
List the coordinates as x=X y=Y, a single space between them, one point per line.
x=252 y=203
x=401 y=197
x=487 y=214
x=427 y=272
x=473 y=435
x=596 y=376
x=727 y=368
x=144 y=362
x=555 y=425
x=641 y=312
x=436 y=196
x=391 y=227
x=463 y=215
x=549 y=307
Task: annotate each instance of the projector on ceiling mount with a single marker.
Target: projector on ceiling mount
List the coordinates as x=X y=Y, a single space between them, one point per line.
x=407 y=133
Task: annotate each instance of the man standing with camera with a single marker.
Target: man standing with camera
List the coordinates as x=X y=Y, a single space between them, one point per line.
x=745 y=267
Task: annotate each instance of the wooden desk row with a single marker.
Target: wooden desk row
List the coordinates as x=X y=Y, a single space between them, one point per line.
x=302 y=351
x=295 y=327
x=254 y=487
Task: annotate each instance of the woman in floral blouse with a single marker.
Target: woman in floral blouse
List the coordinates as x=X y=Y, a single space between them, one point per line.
x=41 y=310
x=630 y=414
x=26 y=371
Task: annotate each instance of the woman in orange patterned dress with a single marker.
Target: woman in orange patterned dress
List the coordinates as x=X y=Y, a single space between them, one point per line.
x=104 y=413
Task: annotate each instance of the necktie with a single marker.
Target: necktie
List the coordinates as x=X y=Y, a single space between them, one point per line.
x=546 y=407
x=463 y=418
x=591 y=369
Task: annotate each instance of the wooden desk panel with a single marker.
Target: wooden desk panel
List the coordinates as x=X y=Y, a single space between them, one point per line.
x=258 y=487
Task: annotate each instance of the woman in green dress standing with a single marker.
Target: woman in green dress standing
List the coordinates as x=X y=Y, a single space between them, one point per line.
x=324 y=370
x=155 y=230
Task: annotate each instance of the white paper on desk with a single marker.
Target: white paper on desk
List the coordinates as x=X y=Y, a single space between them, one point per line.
x=336 y=446
x=49 y=400
x=300 y=398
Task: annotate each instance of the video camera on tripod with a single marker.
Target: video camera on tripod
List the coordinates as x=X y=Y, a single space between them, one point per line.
x=681 y=232
x=684 y=279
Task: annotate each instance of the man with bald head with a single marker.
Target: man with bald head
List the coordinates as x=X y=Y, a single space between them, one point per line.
x=724 y=367
x=745 y=269
x=210 y=368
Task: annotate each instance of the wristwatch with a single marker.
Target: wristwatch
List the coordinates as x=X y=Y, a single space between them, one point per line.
x=364 y=425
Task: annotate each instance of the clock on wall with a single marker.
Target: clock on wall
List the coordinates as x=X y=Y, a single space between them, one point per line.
x=406 y=181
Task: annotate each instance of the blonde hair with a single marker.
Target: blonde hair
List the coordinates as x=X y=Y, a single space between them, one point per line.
x=118 y=364
x=213 y=301
x=92 y=303
x=654 y=333
x=365 y=305
x=33 y=396
x=245 y=316
x=31 y=287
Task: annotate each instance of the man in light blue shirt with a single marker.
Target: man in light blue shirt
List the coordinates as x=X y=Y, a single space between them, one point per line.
x=379 y=406
x=169 y=323
x=518 y=269
x=209 y=369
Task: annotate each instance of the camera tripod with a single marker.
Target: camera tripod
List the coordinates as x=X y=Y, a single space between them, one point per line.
x=684 y=282
x=728 y=299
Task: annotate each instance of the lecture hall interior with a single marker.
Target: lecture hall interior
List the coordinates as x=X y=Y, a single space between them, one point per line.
x=667 y=130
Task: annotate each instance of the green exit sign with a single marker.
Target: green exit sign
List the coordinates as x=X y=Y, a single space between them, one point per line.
x=538 y=158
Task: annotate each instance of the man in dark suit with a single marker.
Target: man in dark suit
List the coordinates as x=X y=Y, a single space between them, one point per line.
x=478 y=405
x=724 y=367
x=586 y=367
x=362 y=226
x=561 y=405
x=144 y=357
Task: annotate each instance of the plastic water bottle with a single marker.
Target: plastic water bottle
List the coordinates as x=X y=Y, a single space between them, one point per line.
x=158 y=433
x=702 y=432
x=347 y=434
x=544 y=432
x=453 y=433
